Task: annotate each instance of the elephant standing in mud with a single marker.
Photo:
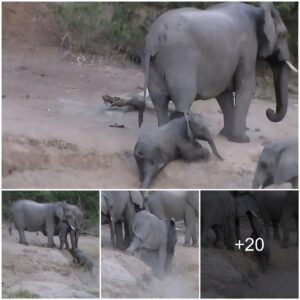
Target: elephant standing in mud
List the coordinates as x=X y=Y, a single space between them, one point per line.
x=176 y=139
x=179 y=205
x=118 y=208
x=157 y=237
x=193 y=54
x=28 y=215
x=277 y=164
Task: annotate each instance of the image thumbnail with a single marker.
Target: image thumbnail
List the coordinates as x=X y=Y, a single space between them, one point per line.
x=149 y=244
x=249 y=244
x=50 y=244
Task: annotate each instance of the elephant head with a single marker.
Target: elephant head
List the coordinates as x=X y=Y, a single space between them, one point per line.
x=278 y=163
x=273 y=47
x=200 y=131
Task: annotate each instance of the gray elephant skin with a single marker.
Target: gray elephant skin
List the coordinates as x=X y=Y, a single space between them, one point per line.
x=81 y=259
x=218 y=212
x=193 y=54
x=155 y=236
x=277 y=164
x=179 y=205
x=155 y=149
x=276 y=208
x=118 y=209
x=28 y=215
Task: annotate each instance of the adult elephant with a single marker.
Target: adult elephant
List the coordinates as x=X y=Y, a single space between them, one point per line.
x=157 y=237
x=28 y=215
x=218 y=212
x=275 y=207
x=277 y=164
x=119 y=207
x=179 y=205
x=192 y=54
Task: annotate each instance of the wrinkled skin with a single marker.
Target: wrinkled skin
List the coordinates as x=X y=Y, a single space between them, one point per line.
x=28 y=215
x=277 y=164
x=179 y=205
x=174 y=140
x=156 y=237
x=193 y=54
x=119 y=208
x=276 y=208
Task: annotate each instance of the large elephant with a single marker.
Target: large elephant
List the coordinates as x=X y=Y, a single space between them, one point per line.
x=28 y=215
x=193 y=54
x=119 y=208
x=179 y=205
x=277 y=164
x=275 y=207
x=157 y=237
x=155 y=149
x=218 y=212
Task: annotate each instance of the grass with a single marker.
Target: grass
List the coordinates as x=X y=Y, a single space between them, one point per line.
x=22 y=294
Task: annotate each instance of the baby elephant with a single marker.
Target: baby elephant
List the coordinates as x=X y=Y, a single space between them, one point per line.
x=82 y=259
x=173 y=140
x=157 y=238
x=277 y=164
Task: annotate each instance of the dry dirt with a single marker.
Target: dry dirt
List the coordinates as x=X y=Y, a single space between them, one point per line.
x=47 y=272
x=126 y=276
x=227 y=274
x=56 y=130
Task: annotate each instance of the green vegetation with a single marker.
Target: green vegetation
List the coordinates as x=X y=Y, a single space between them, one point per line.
x=22 y=294
x=89 y=200
x=92 y=24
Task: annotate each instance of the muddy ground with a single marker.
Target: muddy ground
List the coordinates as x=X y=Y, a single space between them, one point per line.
x=228 y=274
x=126 y=276
x=48 y=273
x=56 y=130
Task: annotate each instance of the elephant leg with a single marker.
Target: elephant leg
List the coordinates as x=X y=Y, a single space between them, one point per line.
x=190 y=220
x=160 y=102
x=275 y=230
x=162 y=255
x=193 y=151
x=73 y=238
x=119 y=235
x=134 y=245
x=244 y=92
x=77 y=233
x=285 y=223
x=22 y=236
x=195 y=234
x=50 y=233
x=218 y=243
x=127 y=238
x=231 y=231
x=225 y=101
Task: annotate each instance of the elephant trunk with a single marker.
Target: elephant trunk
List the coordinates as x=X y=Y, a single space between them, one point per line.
x=214 y=149
x=147 y=180
x=280 y=78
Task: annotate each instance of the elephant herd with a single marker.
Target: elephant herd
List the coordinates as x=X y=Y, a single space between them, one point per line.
x=221 y=212
x=191 y=54
x=52 y=219
x=146 y=223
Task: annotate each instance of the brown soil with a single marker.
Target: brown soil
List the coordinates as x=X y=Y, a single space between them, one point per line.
x=48 y=273
x=56 y=130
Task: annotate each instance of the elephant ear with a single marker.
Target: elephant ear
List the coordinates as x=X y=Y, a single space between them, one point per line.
x=137 y=199
x=267 y=31
x=287 y=166
x=60 y=209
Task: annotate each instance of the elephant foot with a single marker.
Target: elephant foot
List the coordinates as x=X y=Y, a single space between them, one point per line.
x=224 y=132
x=239 y=138
x=24 y=243
x=195 y=245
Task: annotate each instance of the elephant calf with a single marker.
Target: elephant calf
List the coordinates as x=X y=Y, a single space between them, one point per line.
x=82 y=259
x=157 y=237
x=176 y=139
x=277 y=164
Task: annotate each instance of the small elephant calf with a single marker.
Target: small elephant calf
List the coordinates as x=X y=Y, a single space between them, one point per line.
x=82 y=259
x=175 y=139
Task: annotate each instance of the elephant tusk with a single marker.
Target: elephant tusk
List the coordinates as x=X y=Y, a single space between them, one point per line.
x=72 y=227
x=178 y=229
x=292 y=68
x=253 y=213
x=260 y=187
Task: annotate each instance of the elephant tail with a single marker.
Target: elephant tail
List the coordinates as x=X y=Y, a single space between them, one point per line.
x=146 y=68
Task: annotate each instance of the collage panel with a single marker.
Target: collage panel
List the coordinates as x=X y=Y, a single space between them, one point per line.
x=249 y=244
x=50 y=244
x=149 y=244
